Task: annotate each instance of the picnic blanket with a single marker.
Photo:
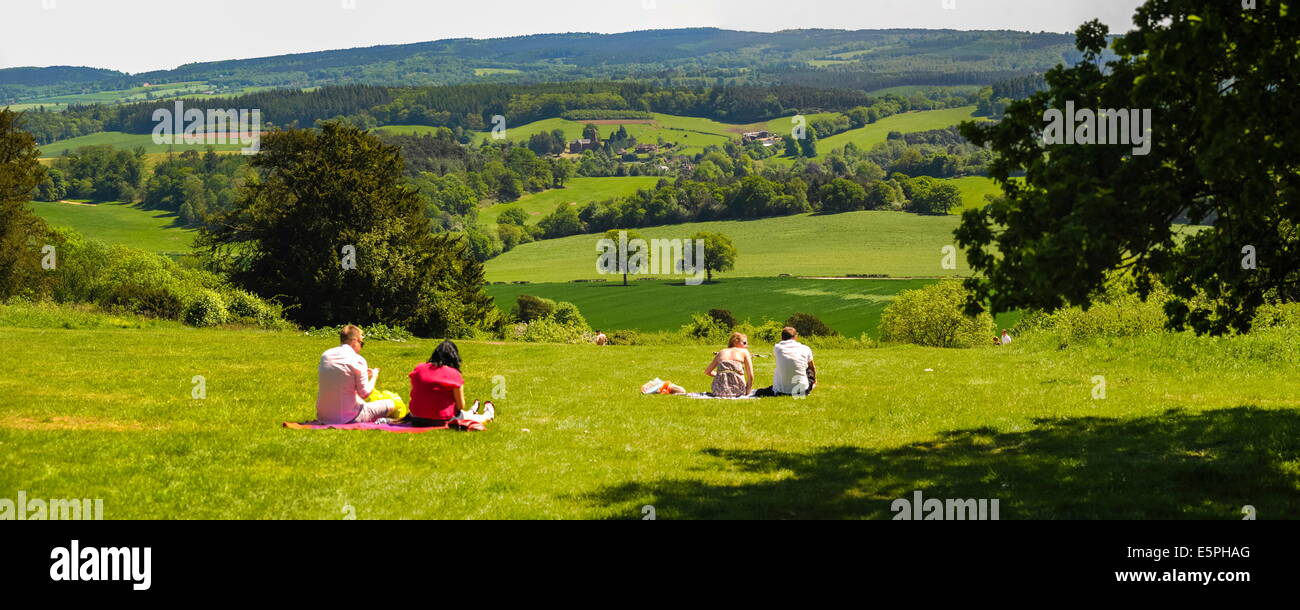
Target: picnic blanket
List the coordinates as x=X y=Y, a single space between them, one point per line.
x=316 y=425
x=712 y=397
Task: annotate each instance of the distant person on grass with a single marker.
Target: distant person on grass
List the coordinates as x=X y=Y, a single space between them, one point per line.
x=732 y=369
x=345 y=382
x=438 y=391
x=795 y=374
x=1006 y=338
x=601 y=339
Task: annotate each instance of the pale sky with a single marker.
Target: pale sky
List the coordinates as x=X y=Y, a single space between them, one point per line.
x=142 y=35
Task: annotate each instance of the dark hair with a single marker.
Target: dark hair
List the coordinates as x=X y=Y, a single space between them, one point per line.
x=788 y=333
x=446 y=354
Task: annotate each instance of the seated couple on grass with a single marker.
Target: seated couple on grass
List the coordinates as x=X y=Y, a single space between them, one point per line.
x=732 y=369
x=437 y=388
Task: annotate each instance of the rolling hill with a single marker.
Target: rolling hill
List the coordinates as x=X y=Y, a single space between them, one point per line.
x=897 y=244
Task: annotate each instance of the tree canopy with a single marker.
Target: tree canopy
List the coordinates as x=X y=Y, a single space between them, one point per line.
x=1220 y=82
x=329 y=227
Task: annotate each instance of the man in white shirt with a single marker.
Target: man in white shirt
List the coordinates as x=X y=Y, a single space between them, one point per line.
x=795 y=374
x=1006 y=338
x=345 y=383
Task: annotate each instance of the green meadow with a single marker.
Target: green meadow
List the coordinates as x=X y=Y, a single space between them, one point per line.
x=119 y=223
x=1189 y=428
x=850 y=307
x=908 y=122
x=578 y=192
x=897 y=244
x=130 y=141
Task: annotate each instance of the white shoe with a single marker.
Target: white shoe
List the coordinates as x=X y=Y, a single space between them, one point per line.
x=489 y=411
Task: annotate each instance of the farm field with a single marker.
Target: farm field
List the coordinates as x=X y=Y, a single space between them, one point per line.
x=1186 y=431
x=876 y=133
x=578 y=191
x=129 y=141
x=119 y=223
x=871 y=242
x=850 y=307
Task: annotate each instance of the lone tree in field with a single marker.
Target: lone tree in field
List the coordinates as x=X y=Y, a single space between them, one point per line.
x=1220 y=83
x=23 y=234
x=330 y=229
x=719 y=253
x=626 y=266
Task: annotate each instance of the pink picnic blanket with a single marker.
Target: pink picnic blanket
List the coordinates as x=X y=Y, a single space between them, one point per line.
x=316 y=425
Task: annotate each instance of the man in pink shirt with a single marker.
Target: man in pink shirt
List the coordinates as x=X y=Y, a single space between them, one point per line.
x=345 y=383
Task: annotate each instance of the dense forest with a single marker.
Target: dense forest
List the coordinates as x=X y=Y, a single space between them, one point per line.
x=862 y=59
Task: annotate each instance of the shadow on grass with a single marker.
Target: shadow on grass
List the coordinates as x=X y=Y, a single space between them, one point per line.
x=1176 y=465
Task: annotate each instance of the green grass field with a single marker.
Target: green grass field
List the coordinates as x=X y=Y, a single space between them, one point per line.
x=129 y=141
x=893 y=243
x=578 y=191
x=691 y=134
x=851 y=307
x=909 y=122
x=119 y=223
x=1189 y=429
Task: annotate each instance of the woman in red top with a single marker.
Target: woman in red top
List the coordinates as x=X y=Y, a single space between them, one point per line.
x=437 y=388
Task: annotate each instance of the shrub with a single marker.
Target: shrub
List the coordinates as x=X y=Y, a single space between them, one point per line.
x=703 y=326
x=723 y=317
x=933 y=316
x=207 y=308
x=766 y=331
x=568 y=314
x=529 y=308
x=1116 y=311
x=1277 y=315
x=624 y=337
x=373 y=332
x=547 y=330
x=244 y=307
x=809 y=325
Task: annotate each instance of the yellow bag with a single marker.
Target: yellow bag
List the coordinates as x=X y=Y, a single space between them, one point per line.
x=401 y=411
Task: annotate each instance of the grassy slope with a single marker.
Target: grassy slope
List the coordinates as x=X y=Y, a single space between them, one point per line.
x=1190 y=428
x=893 y=243
x=129 y=141
x=851 y=307
x=119 y=223
x=579 y=191
x=908 y=122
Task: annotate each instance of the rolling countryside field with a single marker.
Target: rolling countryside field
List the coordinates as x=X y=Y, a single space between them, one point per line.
x=851 y=307
x=119 y=223
x=908 y=122
x=578 y=191
x=130 y=141
x=897 y=244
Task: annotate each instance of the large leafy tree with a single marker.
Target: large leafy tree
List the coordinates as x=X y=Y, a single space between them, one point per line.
x=629 y=267
x=329 y=227
x=719 y=253
x=22 y=233
x=1221 y=82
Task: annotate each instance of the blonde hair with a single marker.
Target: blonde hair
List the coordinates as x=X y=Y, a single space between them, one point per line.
x=736 y=340
x=348 y=333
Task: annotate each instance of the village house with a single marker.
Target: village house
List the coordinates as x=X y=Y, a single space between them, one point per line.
x=582 y=145
x=766 y=138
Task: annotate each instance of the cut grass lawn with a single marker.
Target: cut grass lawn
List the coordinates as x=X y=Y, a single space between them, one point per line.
x=119 y=223
x=897 y=244
x=1189 y=429
x=851 y=307
x=578 y=191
